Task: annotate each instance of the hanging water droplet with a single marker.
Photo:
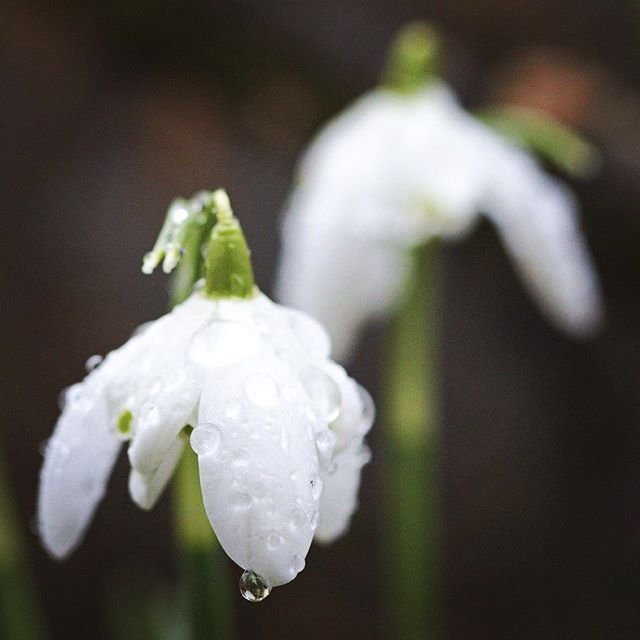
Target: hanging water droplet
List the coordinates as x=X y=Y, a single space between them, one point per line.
x=206 y=439
x=262 y=390
x=368 y=407
x=93 y=362
x=322 y=389
x=325 y=443
x=298 y=563
x=253 y=588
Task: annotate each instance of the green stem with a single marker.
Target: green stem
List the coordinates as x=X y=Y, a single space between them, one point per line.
x=20 y=615
x=413 y=535
x=203 y=562
x=206 y=586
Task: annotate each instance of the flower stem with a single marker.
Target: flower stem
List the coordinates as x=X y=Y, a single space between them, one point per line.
x=207 y=596
x=20 y=616
x=204 y=571
x=413 y=531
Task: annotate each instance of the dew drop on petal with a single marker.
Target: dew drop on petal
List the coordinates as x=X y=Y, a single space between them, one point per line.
x=179 y=214
x=368 y=407
x=274 y=540
x=262 y=390
x=316 y=486
x=298 y=518
x=241 y=500
x=253 y=588
x=206 y=439
x=325 y=443
x=93 y=362
x=322 y=389
x=233 y=408
x=240 y=458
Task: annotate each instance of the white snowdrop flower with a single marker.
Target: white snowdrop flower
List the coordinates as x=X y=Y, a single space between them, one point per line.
x=278 y=428
x=397 y=169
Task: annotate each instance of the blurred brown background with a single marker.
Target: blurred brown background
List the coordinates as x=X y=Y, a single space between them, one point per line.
x=109 y=110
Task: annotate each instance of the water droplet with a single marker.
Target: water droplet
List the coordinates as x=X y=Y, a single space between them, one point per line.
x=253 y=587
x=298 y=563
x=179 y=214
x=322 y=389
x=138 y=331
x=233 y=408
x=274 y=540
x=298 y=518
x=240 y=458
x=206 y=439
x=296 y=476
x=325 y=443
x=316 y=486
x=93 y=362
x=241 y=500
x=155 y=386
x=149 y=415
x=310 y=334
x=258 y=490
x=261 y=390
x=315 y=516
x=368 y=407
x=223 y=343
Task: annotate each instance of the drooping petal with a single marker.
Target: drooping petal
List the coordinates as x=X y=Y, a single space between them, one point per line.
x=166 y=386
x=339 y=498
x=146 y=489
x=258 y=466
x=78 y=462
x=341 y=477
x=537 y=219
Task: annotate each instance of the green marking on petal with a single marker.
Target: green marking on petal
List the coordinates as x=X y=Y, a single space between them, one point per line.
x=124 y=424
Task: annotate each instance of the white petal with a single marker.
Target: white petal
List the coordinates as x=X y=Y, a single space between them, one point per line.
x=78 y=461
x=258 y=467
x=165 y=384
x=146 y=489
x=340 y=494
x=537 y=219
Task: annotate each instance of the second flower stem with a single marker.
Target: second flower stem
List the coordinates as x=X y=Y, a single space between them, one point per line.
x=413 y=518
x=202 y=561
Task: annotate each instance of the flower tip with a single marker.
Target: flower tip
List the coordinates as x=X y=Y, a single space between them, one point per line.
x=150 y=262
x=222 y=205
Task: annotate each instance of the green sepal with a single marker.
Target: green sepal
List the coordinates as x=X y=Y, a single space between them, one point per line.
x=228 y=271
x=540 y=133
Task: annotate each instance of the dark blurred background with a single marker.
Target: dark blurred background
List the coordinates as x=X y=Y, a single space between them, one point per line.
x=109 y=110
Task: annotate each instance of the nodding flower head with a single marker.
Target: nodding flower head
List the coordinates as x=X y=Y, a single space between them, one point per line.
x=406 y=164
x=248 y=386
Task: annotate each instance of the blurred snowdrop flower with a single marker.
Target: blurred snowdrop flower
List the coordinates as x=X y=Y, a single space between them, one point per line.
x=278 y=427
x=407 y=164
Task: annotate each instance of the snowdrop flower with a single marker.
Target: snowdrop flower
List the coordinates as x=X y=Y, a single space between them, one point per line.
x=401 y=167
x=278 y=427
